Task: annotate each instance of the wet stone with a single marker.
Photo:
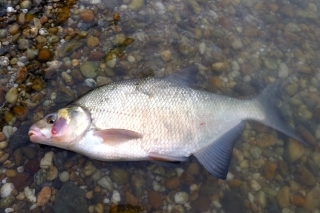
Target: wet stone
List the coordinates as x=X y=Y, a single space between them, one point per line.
x=283 y=197
x=304 y=176
x=138 y=184
x=29 y=152
x=312 y=199
x=119 y=176
x=87 y=15
x=155 y=199
x=70 y=198
x=201 y=204
x=22 y=180
x=18 y=157
x=20 y=137
x=6 y=202
x=265 y=140
x=172 y=183
x=40 y=177
x=32 y=166
x=269 y=169
x=294 y=150
x=89 y=69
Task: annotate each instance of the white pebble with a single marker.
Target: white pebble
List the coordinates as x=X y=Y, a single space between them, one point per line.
x=123 y=8
x=193 y=187
x=3 y=144
x=106 y=200
x=30 y=194
x=64 y=176
x=179 y=171
x=43 y=32
x=115 y=197
x=20 y=169
x=181 y=197
x=156 y=186
x=90 y=82
x=255 y=185
x=131 y=59
x=6 y=189
x=8 y=210
x=283 y=71
x=8 y=131
x=106 y=183
x=202 y=48
x=216 y=204
x=250 y=197
x=46 y=161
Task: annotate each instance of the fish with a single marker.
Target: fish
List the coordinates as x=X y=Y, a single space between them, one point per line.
x=157 y=119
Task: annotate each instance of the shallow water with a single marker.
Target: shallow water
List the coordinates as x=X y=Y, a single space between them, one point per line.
x=53 y=52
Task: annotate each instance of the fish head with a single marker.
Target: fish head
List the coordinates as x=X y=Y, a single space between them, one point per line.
x=61 y=128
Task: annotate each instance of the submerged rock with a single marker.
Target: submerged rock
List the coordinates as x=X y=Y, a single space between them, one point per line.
x=70 y=199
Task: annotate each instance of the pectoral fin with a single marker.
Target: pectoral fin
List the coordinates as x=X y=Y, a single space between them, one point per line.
x=216 y=157
x=166 y=158
x=117 y=135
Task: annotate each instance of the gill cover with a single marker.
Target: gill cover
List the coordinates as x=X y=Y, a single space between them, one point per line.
x=71 y=123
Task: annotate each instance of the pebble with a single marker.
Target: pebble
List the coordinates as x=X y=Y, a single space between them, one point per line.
x=11 y=173
x=269 y=170
x=138 y=184
x=193 y=168
x=20 y=112
x=119 y=39
x=312 y=199
x=165 y=55
x=6 y=202
x=119 y=176
x=292 y=89
x=14 y=29
x=30 y=194
x=105 y=182
x=131 y=199
x=265 y=140
x=64 y=176
x=136 y=4
x=21 y=75
x=3 y=144
x=92 y=41
x=255 y=186
x=22 y=180
x=52 y=173
x=172 y=183
x=87 y=15
x=155 y=199
x=115 y=197
x=44 y=55
x=181 y=197
x=304 y=176
x=294 y=150
x=201 y=204
x=283 y=71
x=2 y=136
x=219 y=66
x=89 y=69
x=12 y=95
x=202 y=48
x=44 y=196
x=46 y=161
x=6 y=189
x=237 y=44
x=283 y=197
x=32 y=166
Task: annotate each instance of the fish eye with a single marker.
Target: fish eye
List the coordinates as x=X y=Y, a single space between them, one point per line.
x=51 y=118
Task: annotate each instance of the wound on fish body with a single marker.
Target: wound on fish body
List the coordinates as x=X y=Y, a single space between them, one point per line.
x=157 y=119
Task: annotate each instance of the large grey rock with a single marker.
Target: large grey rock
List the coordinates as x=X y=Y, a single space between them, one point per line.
x=70 y=199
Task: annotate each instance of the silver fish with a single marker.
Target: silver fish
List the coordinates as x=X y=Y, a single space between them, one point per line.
x=156 y=119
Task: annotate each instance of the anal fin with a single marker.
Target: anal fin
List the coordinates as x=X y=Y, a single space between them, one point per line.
x=216 y=156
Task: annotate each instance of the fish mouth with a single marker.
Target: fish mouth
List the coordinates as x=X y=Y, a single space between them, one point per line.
x=34 y=133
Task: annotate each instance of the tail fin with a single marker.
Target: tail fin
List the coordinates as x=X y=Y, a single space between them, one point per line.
x=273 y=118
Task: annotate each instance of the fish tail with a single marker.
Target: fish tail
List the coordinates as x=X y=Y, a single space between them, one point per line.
x=268 y=101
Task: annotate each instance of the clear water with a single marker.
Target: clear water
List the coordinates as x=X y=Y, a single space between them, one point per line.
x=240 y=47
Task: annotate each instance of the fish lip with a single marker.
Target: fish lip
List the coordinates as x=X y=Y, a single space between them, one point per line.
x=34 y=131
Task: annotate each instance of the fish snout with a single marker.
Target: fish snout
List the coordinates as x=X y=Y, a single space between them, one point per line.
x=34 y=133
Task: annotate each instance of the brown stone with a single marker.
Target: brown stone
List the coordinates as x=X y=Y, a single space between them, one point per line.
x=20 y=112
x=87 y=15
x=283 y=197
x=96 y=55
x=269 y=170
x=11 y=173
x=44 y=55
x=22 y=74
x=44 y=196
x=306 y=135
x=155 y=199
x=2 y=136
x=193 y=169
x=131 y=199
x=247 y=69
x=265 y=140
x=297 y=200
x=172 y=183
x=201 y=204
x=22 y=180
x=187 y=178
x=32 y=166
x=235 y=183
